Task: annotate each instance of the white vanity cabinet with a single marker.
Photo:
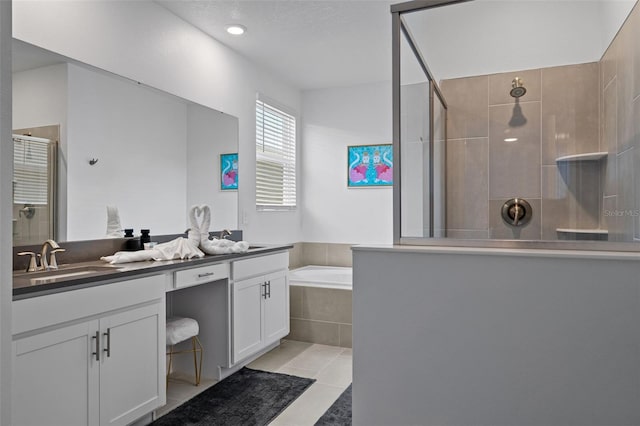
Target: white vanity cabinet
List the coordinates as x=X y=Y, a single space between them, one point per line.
x=92 y=356
x=259 y=303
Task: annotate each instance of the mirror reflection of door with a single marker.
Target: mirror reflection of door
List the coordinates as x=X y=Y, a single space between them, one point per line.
x=34 y=184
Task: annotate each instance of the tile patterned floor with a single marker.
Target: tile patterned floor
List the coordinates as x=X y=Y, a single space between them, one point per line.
x=331 y=366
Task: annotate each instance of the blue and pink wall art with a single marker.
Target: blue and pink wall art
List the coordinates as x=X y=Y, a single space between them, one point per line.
x=370 y=165
x=229 y=171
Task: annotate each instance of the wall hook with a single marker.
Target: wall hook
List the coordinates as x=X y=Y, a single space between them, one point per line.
x=93 y=161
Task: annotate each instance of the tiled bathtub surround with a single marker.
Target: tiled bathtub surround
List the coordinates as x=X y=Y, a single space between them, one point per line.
x=563 y=113
x=321 y=254
x=321 y=315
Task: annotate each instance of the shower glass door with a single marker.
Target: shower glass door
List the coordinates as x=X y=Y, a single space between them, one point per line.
x=419 y=144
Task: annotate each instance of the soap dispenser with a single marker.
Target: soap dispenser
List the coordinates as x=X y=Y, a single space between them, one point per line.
x=144 y=237
x=132 y=243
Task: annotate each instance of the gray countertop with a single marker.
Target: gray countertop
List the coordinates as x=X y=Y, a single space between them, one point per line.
x=87 y=274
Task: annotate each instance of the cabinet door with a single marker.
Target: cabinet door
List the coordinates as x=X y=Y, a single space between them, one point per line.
x=247 y=317
x=132 y=364
x=276 y=307
x=56 y=377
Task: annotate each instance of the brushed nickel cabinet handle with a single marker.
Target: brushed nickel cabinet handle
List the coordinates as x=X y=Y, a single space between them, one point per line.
x=206 y=274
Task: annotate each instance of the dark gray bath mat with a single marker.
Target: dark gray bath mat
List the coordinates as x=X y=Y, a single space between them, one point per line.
x=339 y=414
x=248 y=397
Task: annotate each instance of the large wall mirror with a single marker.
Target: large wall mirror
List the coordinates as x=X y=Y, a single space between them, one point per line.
x=118 y=143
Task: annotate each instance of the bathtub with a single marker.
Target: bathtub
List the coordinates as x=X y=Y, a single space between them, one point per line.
x=321 y=276
x=320 y=305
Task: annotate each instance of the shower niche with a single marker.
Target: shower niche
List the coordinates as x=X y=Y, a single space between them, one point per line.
x=568 y=164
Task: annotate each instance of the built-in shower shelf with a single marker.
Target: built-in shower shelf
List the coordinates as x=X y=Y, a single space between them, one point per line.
x=589 y=156
x=583 y=231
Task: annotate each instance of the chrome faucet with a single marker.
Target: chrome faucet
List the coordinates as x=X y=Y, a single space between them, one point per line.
x=225 y=233
x=52 y=263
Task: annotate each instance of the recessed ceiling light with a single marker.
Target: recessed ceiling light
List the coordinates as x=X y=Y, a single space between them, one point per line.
x=236 y=29
x=511 y=139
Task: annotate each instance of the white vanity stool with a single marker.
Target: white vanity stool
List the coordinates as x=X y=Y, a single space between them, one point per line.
x=179 y=330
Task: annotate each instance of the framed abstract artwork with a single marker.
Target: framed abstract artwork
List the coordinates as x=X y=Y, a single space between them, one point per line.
x=229 y=171
x=370 y=165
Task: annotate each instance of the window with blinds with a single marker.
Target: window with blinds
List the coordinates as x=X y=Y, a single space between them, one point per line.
x=275 y=158
x=30 y=170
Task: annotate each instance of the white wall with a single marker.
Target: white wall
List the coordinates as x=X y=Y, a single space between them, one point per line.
x=138 y=136
x=209 y=134
x=40 y=99
x=334 y=119
x=6 y=197
x=145 y=42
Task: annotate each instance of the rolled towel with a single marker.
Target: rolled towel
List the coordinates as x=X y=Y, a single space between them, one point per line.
x=129 y=256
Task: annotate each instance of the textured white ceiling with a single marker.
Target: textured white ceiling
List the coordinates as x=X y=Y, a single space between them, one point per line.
x=316 y=44
x=311 y=44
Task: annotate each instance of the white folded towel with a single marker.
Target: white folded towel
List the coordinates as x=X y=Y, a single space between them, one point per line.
x=180 y=248
x=114 y=229
x=194 y=231
x=216 y=246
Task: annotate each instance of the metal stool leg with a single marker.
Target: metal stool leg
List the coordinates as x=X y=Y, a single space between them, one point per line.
x=196 y=347
x=195 y=359
x=169 y=366
x=198 y=366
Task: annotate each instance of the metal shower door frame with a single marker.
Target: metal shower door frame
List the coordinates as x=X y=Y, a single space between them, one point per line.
x=399 y=28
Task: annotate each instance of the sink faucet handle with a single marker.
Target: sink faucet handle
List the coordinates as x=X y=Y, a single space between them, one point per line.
x=33 y=264
x=53 y=263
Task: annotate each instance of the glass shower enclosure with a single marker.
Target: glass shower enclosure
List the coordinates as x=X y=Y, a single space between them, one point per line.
x=497 y=142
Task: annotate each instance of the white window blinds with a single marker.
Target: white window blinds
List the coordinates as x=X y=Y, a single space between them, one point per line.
x=275 y=158
x=30 y=170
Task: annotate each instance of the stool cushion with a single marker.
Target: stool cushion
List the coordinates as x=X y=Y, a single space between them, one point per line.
x=180 y=329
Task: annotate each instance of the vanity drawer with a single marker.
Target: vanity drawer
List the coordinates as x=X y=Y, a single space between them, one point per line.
x=204 y=274
x=260 y=265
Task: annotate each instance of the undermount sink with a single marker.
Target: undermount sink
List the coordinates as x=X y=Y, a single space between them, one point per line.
x=53 y=275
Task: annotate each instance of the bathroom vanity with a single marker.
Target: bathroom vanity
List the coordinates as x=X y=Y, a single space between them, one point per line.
x=91 y=350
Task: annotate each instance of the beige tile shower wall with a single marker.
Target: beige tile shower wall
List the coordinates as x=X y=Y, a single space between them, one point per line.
x=620 y=117
x=558 y=116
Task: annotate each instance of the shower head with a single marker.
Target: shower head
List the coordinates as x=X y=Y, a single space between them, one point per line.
x=517 y=88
